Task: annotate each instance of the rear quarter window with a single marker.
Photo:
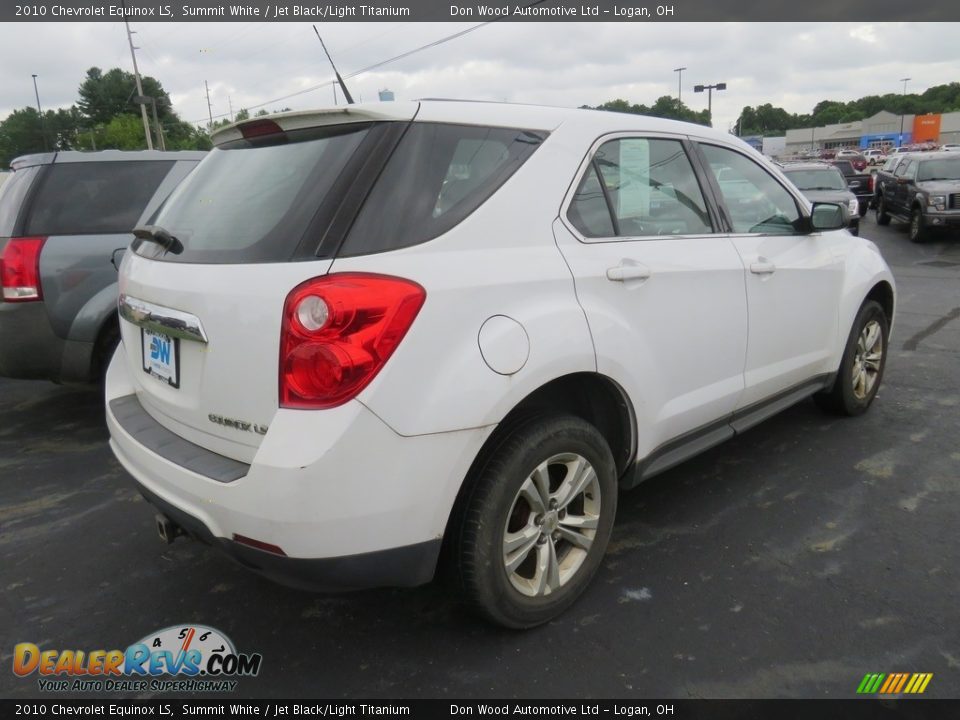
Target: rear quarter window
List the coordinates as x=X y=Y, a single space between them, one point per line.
x=12 y=193
x=94 y=197
x=438 y=175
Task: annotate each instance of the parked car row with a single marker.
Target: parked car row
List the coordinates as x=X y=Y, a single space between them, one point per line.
x=65 y=218
x=359 y=340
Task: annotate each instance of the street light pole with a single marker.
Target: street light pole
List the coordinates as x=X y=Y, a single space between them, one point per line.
x=904 y=81
x=710 y=89
x=679 y=72
x=43 y=124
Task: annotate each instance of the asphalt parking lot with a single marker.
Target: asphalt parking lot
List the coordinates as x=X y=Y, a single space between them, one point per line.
x=788 y=562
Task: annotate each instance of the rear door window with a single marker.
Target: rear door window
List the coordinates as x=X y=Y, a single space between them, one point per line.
x=648 y=189
x=12 y=193
x=94 y=197
x=438 y=175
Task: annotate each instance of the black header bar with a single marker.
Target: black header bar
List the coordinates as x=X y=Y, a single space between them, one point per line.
x=636 y=11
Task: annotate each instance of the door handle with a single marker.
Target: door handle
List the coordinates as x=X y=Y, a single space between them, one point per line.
x=620 y=273
x=763 y=267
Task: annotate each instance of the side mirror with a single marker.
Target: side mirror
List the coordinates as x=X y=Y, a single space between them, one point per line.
x=903 y=180
x=827 y=216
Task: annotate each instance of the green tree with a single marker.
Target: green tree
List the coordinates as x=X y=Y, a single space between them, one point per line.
x=665 y=107
x=22 y=132
x=123 y=132
x=104 y=95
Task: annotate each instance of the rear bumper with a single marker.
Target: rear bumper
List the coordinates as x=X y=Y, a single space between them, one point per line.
x=396 y=567
x=31 y=350
x=350 y=503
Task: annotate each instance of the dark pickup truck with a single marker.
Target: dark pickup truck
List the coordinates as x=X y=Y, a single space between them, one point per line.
x=923 y=189
x=860 y=185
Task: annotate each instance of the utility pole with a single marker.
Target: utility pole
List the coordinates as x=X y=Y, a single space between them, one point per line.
x=136 y=74
x=679 y=72
x=43 y=123
x=209 y=107
x=902 y=108
x=230 y=105
x=156 y=121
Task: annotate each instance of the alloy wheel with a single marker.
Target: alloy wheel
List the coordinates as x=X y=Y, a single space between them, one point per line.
x=867 y=361
x=551 y=525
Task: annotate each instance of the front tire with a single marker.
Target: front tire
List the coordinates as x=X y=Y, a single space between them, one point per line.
x=864 y=359
x=918 y=231
x=534 y=528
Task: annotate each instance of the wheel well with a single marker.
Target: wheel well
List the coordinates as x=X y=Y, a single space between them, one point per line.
x=883 y=294
x=590 y=396
x=108 y=335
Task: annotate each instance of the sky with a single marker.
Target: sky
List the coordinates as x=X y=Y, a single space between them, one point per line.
x=791 y=65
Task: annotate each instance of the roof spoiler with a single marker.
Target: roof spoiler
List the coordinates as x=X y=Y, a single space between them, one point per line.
x=300 y=119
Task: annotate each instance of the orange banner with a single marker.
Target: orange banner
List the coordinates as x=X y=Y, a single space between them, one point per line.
x=926 y=127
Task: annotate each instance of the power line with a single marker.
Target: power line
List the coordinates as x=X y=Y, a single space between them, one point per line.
x=380 y=64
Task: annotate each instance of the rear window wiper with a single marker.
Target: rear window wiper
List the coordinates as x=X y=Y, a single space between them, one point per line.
x=156 y=234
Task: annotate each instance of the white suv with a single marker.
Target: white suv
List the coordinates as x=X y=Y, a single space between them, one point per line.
x=354 y=336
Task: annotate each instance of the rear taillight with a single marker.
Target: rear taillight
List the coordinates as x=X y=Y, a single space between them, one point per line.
x=338 y=332
x=873 y=181
x=20 y=269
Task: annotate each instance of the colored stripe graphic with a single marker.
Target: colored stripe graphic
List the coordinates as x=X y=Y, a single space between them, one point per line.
x=894 y=683
x=890 y=681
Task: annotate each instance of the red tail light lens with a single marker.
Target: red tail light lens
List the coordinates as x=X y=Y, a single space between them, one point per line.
x=338 y=332
x=20 y=269
x=872 y=183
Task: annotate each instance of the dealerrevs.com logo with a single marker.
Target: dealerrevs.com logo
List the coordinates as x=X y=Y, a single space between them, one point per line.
x=180 y=658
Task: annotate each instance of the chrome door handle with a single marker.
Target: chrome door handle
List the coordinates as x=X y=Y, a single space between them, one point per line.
x=621 y=273
x=763 y=267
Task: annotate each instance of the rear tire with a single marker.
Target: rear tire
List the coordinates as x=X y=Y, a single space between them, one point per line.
x=882 y=217
x=103 y=351
x=861 y=370
x=536 y=523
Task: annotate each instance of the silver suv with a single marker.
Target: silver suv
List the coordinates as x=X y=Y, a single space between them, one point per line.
x=63 y=218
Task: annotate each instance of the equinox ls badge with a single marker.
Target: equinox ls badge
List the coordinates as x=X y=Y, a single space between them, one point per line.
x=238 y=424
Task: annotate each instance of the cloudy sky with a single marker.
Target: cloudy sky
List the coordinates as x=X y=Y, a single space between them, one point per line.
x=793 y=65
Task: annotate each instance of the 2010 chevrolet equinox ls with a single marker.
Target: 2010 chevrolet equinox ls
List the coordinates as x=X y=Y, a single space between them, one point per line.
x=354 y=335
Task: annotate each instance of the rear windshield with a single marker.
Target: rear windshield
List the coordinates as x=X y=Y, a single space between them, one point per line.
x=12 y=193
x=823 y=179
x=253 y=200
x=95 y=197
x=437 y=176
